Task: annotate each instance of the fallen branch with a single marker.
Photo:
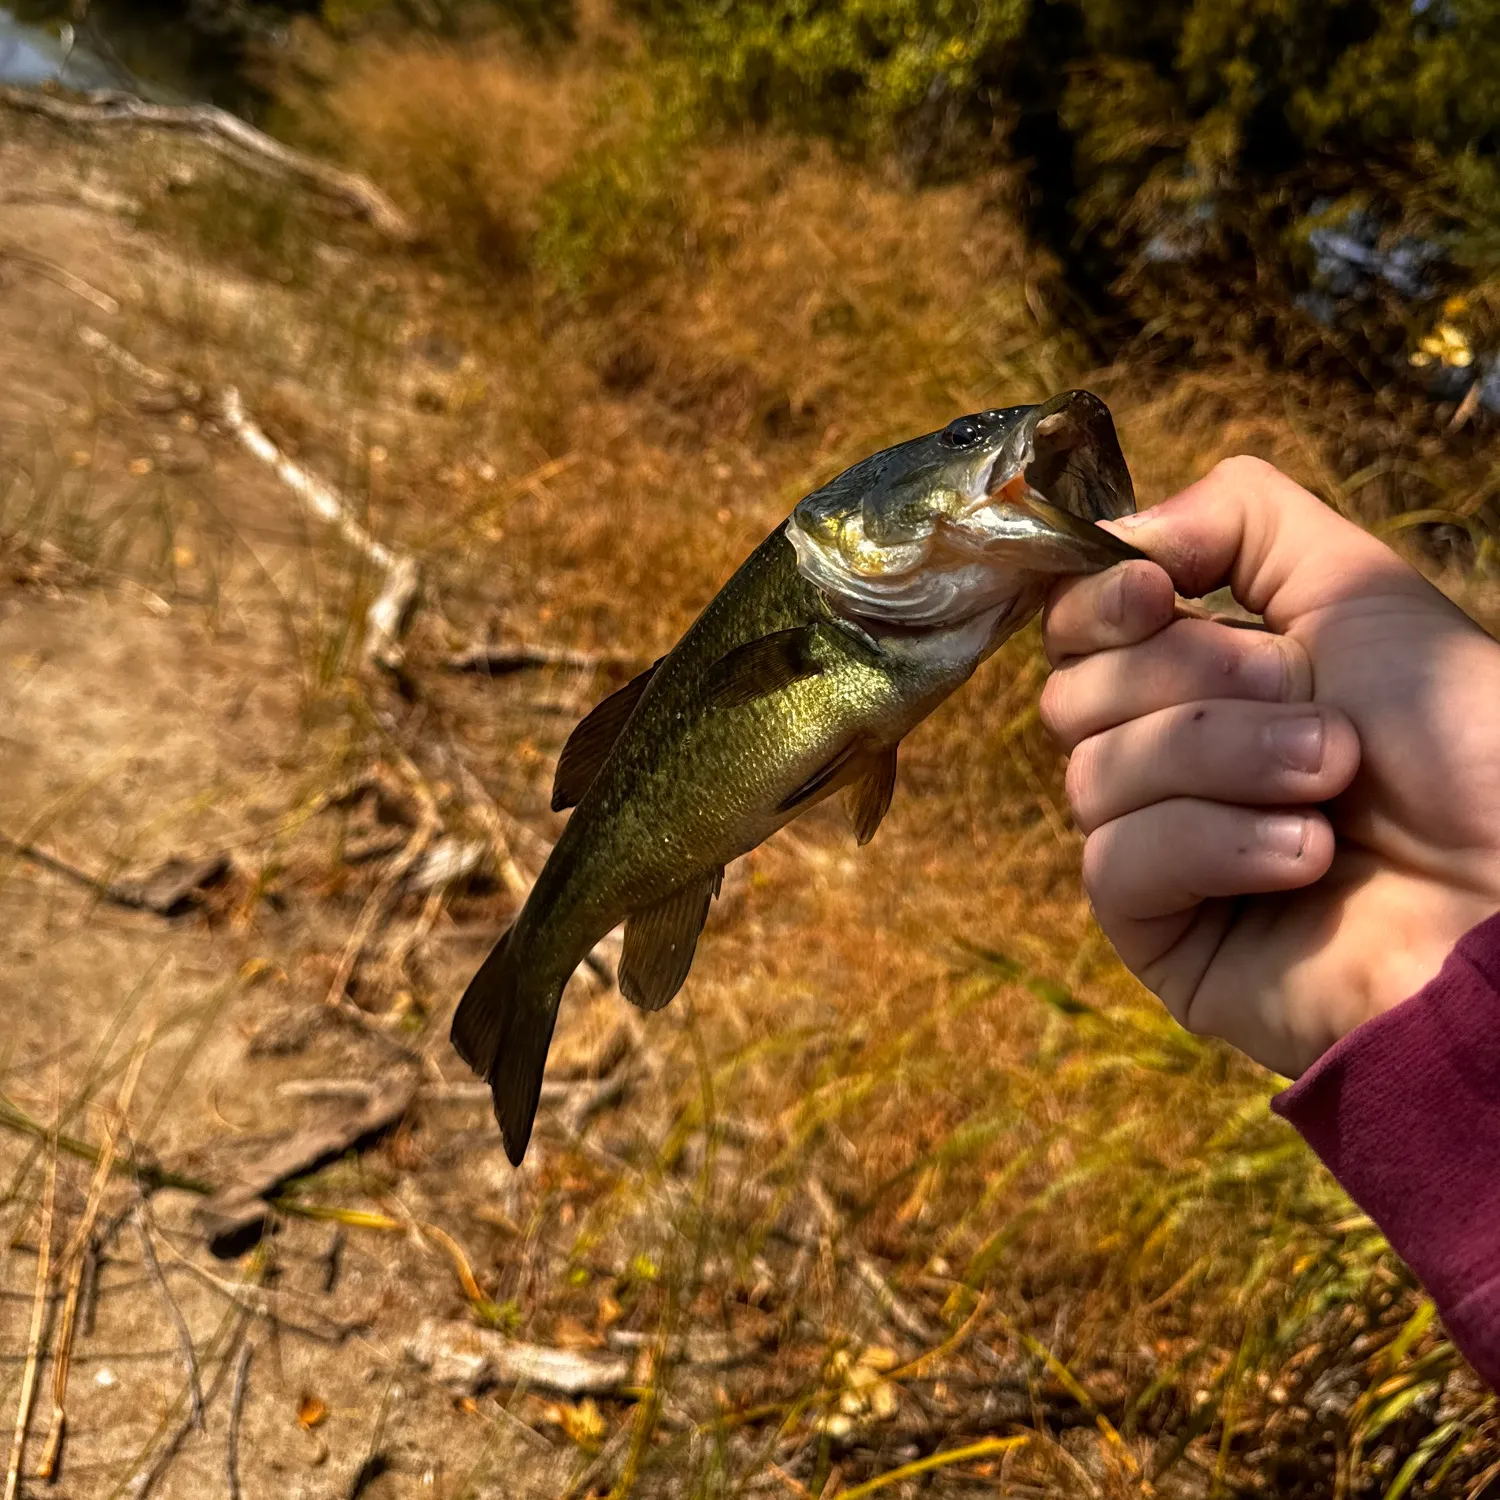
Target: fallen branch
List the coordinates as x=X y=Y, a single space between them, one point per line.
x=232 y=138
x=494 y=660
x=699 y=1346
x=468 y=1359
x=429 y=824
x=235 y=1216
x=169 y=890
x=389 y=615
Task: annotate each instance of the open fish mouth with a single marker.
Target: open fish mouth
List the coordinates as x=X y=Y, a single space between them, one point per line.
x=1065 y=450
x=984 y=518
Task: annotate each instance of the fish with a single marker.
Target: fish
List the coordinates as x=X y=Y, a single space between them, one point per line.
x=875 y=599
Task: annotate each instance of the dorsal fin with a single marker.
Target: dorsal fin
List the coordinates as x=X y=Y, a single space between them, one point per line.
x=593 y=739
x=660 y=941
x=762 y=666
x=871 y=796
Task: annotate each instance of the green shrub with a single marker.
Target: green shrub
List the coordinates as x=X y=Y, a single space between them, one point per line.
x=1149 y=112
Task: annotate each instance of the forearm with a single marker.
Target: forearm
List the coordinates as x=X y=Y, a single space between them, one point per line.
x=1405 y=1112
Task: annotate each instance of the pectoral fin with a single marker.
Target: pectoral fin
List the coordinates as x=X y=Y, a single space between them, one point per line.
x=660 y=940
x=760 y=667
x=593 y=739
x=835 y=772
x=871 y=796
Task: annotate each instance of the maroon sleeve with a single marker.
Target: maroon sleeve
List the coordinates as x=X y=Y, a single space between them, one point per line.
x=1405 y=1112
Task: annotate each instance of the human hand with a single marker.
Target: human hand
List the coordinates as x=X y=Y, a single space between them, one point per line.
x=1286 y=833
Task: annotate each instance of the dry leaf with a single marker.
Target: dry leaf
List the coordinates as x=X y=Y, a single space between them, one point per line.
x=310 y=1412
x=583 y=1423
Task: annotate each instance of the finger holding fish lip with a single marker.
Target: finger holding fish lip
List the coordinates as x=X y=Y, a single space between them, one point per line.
x=1225 y=750
x=1124 y=606
x=1189 y=661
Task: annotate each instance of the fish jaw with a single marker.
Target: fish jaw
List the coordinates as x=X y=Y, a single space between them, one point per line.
x=1018 y=507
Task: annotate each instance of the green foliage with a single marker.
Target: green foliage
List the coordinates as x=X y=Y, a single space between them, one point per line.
x=1163 y=103
x=854 y=69
x=614 y=212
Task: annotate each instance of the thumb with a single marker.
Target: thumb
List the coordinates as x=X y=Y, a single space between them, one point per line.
x=1282 y=551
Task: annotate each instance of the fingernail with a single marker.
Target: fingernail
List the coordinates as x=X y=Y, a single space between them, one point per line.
x=1264 y=673
x=1112 y=602
x=1284 y=833
x=1297 y=743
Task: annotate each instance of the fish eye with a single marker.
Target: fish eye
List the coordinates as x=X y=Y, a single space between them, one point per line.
x=963 y=432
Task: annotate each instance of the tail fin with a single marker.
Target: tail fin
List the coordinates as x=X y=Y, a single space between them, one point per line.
x=502 y=1029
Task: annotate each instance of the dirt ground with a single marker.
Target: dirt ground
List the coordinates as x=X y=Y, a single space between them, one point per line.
x=154 y=709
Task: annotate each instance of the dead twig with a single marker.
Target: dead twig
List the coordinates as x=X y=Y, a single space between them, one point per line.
x=75 y=1258
x=62 y=276
x=487 y=814
x=236 y=1406
x=390 y=614
x=891 y=1306
x=174 y=1313
x=429 y=824
x=151 y=1477
x=387 y=618
x=230 y=137
x=468 y=1358
x=34 y=1338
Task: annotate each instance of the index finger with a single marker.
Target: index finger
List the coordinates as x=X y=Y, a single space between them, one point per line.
x=1123 y=606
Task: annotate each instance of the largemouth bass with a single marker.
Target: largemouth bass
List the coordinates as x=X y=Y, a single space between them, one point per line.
x=842 y=631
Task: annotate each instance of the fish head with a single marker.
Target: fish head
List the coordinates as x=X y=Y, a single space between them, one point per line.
x=982 y=514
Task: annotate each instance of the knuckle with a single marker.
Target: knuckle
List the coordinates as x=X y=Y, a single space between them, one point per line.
x=1054 y=708
x=1243 y=470
x=1080 y=782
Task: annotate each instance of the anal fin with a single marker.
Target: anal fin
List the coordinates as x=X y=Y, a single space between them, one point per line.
x=871 y=795
x=660 y=941
x=593 y=738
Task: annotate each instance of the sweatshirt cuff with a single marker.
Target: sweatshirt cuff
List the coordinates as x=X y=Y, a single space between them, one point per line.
x=1405 y=1112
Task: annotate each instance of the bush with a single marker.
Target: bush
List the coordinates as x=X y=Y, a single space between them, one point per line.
x=1165 y=133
